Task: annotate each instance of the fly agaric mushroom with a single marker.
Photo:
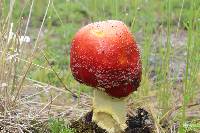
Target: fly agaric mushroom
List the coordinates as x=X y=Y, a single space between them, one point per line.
x=104 y=55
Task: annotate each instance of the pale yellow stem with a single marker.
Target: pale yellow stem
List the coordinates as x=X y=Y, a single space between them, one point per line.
x=109 y=113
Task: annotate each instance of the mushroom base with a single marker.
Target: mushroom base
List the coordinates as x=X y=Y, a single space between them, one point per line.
x=109 y=113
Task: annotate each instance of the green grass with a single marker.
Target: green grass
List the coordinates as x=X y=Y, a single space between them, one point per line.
x=153 y=19
x=191 y=126
x=59 y=126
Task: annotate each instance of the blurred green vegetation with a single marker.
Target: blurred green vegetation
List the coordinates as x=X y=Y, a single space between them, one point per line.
x=65 y=17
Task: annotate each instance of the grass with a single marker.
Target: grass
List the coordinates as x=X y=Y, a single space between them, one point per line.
x=59 y=126
x=167 y=32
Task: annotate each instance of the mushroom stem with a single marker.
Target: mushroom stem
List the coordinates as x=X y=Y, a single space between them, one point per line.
x=108 y=112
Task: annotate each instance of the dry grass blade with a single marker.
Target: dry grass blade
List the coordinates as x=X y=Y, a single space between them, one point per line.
x=66 y=88
x=48 y=104
x=32 y=55
x=167 y=115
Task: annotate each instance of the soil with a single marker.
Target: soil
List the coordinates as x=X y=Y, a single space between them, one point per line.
x=140 y=123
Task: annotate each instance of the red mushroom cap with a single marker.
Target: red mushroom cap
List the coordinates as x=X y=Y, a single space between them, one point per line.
x=104 y=54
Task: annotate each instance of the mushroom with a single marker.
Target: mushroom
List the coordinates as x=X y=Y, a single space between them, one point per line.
x=105 y=56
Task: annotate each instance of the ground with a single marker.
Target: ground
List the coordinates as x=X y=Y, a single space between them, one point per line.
x=140 y=123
